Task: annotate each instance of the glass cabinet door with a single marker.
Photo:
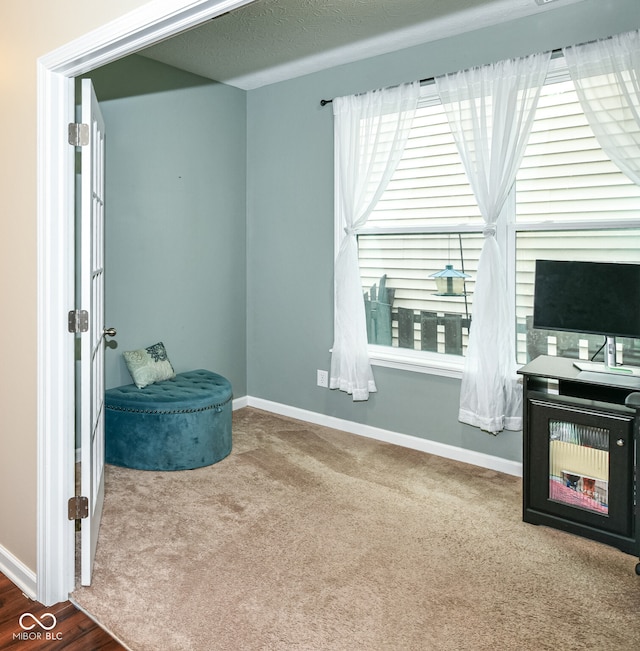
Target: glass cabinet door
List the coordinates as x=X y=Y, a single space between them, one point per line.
x=579 y=464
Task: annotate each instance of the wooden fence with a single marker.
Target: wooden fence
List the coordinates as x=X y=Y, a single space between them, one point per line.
x=567 y=344
x=378 y=302
x=381 y=316
x=428 y=330
x=421 y=327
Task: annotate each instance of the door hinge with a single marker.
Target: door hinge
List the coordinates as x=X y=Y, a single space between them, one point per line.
x=78 y=321
x=78 y=507
x=78 y=134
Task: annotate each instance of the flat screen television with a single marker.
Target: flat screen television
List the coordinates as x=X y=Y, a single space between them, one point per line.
x=601 y=298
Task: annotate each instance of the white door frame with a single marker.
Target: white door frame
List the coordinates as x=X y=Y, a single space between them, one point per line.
x=141 y=28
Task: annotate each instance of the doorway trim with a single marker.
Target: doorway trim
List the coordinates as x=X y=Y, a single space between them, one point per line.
x=151 y=23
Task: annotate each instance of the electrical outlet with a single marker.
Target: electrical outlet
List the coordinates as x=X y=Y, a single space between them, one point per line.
x=323 y=378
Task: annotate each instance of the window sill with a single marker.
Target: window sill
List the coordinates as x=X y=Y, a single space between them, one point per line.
x=417 y=361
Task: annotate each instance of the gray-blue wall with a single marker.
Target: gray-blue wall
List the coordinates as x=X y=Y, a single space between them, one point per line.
x=290 y=224
x=220 y=222
x=175 y=218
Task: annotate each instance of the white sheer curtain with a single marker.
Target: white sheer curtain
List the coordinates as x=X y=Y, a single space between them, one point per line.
x=607 y=78
x=371 y=131
x=490 y=111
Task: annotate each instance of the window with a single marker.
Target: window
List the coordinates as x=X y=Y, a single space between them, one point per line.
x=570 y=202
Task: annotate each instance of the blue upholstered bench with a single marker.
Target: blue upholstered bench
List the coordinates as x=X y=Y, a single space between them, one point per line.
x=176 y=424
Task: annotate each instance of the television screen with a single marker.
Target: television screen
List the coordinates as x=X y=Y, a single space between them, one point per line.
x=587 y=297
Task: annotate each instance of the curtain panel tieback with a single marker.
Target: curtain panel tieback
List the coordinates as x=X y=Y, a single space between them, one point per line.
x=491 y=142
x=371 y=131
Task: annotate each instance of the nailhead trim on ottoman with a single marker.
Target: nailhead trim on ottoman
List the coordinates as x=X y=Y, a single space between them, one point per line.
x=178 y=424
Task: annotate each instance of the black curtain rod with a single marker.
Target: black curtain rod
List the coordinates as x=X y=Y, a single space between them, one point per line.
x=431 y=80
x=423 y=82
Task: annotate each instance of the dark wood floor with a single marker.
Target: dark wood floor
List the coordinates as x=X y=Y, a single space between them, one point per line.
x=73 y=630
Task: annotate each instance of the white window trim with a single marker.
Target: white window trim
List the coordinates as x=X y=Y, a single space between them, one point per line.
x=442 y=364
x=417 y=361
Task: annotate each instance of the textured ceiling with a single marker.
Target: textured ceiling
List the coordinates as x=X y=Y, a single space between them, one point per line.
x=271 y=40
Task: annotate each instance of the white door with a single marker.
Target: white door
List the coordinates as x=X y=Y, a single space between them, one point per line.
x=92 y=342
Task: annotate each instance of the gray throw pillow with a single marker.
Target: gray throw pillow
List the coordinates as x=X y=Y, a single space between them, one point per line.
x=149 y=365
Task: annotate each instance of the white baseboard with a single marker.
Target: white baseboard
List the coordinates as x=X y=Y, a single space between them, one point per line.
x=17 y=572
x=404 y=440
x=239 y=403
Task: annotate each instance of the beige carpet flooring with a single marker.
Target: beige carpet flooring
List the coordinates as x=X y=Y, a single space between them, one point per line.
x=311 y=539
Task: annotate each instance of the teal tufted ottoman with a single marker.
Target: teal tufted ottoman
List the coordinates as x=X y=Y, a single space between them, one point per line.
x=177 y=424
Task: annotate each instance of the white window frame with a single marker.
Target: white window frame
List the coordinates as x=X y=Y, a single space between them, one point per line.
x=447 y=365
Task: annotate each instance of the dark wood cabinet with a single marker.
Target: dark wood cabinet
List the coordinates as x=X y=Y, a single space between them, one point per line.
x=580 y=451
